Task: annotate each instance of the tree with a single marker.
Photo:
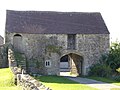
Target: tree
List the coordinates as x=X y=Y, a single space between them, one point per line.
x=114 y=56
x=108 y=63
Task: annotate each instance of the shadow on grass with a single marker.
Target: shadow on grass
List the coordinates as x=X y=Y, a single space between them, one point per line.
x=75 y=80
x=55 y=79
x=62 y=83
x=107 y=80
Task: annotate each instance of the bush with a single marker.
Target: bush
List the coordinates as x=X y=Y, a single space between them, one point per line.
x=114 y=56
x=109 y=63
x=117 y=77
x=101 y=70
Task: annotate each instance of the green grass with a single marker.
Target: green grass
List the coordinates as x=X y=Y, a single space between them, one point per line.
x=61 y=83
x=10 y=88
x=107 y=80
x=7 y=80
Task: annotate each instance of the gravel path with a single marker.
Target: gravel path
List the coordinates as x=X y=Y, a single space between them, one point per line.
x=93 y=83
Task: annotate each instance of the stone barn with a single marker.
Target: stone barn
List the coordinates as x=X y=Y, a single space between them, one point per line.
x=1 y=46
x=3 y=54
x=57 y=41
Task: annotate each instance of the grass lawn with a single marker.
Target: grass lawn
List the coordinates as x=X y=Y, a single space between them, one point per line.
x=61 y=83
x=10 y=88
x=7 y=80
x=107 y=80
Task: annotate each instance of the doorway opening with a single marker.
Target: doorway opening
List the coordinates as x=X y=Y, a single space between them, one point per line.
x=71 y=65
x=17 y=43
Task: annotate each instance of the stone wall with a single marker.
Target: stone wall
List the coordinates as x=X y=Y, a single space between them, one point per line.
x=21 y=78
x=3 y=56
x=12 y=61
x=51 y=47
x=29 y=83
x=39 y=48
x=92 y=46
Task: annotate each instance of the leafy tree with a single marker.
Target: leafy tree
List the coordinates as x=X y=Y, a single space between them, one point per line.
x=107 y=63
x=101 y=70
x=114 y=56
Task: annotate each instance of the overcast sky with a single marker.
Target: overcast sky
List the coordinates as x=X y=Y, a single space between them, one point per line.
x=110 y=10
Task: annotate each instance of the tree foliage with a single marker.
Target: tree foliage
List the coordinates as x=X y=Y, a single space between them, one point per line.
x=101 y=70
x=112 y=59
x=108 y=63
x=114 y=56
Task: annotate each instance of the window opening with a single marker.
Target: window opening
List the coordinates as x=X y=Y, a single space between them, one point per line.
x=71 y=41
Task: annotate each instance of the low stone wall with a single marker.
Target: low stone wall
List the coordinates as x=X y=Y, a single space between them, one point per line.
x=29 y=83
x=21 y=78
x=12 y=61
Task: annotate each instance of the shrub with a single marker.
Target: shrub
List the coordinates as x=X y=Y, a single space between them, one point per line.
x=101 y=70
x=114 y=56
x=117 y=77
x=108 y=63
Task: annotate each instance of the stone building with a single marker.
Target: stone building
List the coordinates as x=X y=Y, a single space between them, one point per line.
x=3 y=53
x=57 y=41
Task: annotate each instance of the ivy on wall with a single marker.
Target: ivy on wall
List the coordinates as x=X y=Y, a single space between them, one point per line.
x=20 y=59
x=53 y=49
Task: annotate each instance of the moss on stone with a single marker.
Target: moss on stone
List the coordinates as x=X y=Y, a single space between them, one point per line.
x=19 y=58
x=54 y=49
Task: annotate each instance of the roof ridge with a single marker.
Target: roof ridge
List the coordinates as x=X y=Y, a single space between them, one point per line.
x=59 y=12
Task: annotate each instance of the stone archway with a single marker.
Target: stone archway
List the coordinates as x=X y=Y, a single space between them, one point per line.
x=65 y=64
x=72 y=63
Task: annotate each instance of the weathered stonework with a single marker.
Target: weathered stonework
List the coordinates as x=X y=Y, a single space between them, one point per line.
x=3 y=53
x=22 y=79
x=46 y=37
x=3 y=56
x=36 y=49
x=29 y=83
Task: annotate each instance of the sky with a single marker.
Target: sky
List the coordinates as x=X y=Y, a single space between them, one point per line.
x=110 y=10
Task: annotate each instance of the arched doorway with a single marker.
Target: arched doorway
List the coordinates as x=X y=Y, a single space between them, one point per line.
x=71 y=63
x=65 y=64
x=17 y=42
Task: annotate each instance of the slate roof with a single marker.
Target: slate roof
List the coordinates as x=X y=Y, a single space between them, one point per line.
x=49 y=22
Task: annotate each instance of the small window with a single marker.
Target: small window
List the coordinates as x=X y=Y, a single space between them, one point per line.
x=71 y=41
x=47 y=63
